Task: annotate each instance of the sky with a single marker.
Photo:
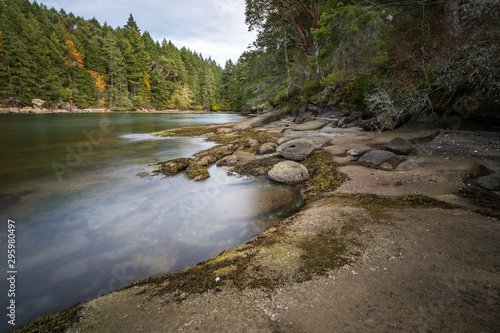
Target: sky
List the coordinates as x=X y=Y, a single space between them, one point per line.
x=214 y=28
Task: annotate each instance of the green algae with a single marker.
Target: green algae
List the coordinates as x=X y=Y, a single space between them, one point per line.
x=258 y=167
x=242 y=139
x=173 y=167
x=325 y=176
x=196 y=172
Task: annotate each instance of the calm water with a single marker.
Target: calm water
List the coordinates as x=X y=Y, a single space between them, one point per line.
x=90 y=217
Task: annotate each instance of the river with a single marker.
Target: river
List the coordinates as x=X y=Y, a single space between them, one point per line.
x=90 y=217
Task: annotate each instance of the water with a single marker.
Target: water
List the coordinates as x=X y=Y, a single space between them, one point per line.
x=91 y=218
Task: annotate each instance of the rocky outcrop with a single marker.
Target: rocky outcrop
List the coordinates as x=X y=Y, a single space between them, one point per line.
x=401 y=146
x=297 y=150
x=228 y=160
x=289 y=172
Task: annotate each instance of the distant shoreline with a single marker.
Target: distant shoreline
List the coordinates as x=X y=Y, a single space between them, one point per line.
x=30 y=110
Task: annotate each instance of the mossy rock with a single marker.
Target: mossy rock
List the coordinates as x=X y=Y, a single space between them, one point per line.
x=258 y=167
x=173 y=167
x=197 y=172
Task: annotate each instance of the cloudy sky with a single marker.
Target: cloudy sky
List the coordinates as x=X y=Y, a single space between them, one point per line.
x=214 y=28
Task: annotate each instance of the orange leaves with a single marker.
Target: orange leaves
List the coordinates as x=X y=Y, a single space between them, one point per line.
x=99 y=80
x=1 y=48
x=74 y=58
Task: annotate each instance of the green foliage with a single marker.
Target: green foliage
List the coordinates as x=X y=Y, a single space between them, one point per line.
x=47 y=54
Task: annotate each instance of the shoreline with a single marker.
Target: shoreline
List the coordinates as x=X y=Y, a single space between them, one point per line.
x=353 y=229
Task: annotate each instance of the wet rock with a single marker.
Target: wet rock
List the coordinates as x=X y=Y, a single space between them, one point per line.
x=297 y=150
x=289 y=172
x=268 y=148
x=401 y=146
x=197 y=172
x=310 y=126
x=491 y=183
x=359 y=151
x=243 y=156
x=207 y=160
x=228 y=160
x=173 y=167
x=379 y=157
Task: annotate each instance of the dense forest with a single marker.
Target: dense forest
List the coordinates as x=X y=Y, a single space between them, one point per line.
x=69 y=61
x=394 y=58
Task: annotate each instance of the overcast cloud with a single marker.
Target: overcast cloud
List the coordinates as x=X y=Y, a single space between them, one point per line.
x=214 y=28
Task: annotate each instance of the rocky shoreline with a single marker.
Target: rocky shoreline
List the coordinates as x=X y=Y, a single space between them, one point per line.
x=399 y=232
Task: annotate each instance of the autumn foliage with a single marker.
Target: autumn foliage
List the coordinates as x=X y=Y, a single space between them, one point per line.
x=73 y=58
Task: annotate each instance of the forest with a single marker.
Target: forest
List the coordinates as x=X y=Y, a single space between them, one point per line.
x=392 y=58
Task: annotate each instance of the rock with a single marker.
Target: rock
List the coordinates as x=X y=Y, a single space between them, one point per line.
x=228 y=160
x=289 y=172
x=224 y=130
x=37 y=103
x=314 y=108
x=379 y=157
x=268 y=148
x=243 y=156
x=256 y=121
x=253 y=142
x=197 y=172
x=491 y=183
x=310 y=126
x=359 y=151
x=297 y=150
x=401 y=146
x=173 y=167
x=406 y=166
x=387 y=166
x=207 y=160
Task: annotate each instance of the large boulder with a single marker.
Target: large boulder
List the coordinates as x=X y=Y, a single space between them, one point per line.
x=401 y=146
x=289 y=172
x=379 y=157
x=258 y=121
x=297 y=149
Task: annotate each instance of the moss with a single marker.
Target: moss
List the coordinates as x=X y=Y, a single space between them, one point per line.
x=325 y=176
x=241 y=139
x=197 y=172
x=173 y=167
x=258 y=167
x=227 y=270
x=57 y=322
x=186 y=131
x=377 y=205
x=325 y=252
